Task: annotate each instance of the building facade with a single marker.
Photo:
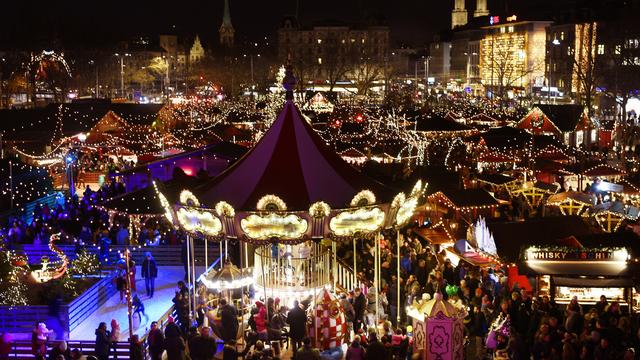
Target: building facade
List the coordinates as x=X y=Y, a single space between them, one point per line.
x=331 y=50
x=512 y=56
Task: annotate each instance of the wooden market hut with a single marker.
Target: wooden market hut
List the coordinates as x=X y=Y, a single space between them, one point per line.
x=569 y=123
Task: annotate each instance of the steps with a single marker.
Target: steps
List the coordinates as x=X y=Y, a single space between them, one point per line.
x=22 y=349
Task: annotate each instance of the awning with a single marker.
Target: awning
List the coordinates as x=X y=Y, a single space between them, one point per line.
x=586 y=282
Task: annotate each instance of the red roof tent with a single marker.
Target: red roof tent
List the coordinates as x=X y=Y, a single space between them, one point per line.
x=292 y=162
x=555 y=119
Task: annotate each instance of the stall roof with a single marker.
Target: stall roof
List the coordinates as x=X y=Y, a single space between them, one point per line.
x=511 y=237
x=495 y=179
x=469 y=197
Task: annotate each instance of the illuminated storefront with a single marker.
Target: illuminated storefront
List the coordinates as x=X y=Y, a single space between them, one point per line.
x=562 y=272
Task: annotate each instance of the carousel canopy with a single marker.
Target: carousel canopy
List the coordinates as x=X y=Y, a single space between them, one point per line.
x=294 y=163
x=230 y=277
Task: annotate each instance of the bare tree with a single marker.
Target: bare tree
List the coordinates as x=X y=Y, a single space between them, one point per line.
x=365 y=73
x=584 y=65
x=508 y=67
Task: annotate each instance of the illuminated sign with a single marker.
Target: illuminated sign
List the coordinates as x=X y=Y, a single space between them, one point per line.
x=496 y=19
x=273 y=225
x=348 y=223
x=538 y=254
x=193 y=220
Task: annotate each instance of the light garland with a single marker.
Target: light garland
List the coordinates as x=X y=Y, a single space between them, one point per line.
x=168 y=211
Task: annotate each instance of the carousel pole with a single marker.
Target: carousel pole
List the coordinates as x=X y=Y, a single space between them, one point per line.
x=334 y=268
x=189 y=267
x=193 y=277
x=376 y=277
x=243 y=274
x=355 y=264
x=206 y=255
x=226 y=249
x=398 y=307
x=315 y=315
x=221 y=253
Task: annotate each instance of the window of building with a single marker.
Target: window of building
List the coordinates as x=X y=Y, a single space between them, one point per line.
x=569 y=51
x=562 y=35
x=319 y=41
x=510 y=29
x=363 y=40
x=560 y=83
x=594 y=135
x=503 y=30
x=618 y=49
x=567 y=138
x=600 y=49
x=319 y=61
x=579 y=137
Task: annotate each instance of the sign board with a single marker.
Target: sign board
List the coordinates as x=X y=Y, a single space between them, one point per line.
x=547 y=254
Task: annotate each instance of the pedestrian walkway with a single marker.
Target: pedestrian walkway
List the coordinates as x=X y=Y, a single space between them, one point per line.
x=166 y=284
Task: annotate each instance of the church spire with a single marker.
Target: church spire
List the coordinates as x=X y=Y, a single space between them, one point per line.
x=459 y=16
x=226 y=30
x=481 y=8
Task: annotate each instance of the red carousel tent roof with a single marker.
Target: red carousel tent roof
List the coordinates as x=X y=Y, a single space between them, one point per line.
x=292 y=162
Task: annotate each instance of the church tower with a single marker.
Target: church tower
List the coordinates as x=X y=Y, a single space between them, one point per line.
x=481 y=8
x=226 y=30
x=459 y=16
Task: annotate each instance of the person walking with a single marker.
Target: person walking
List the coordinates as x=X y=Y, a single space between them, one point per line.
x=149 y=273
x=202 y=346
x=297 y=320
x=114 y=337
x=102 y=342
x=229 y=316
x=156 y=342
x=175 y=346
x=355 y=351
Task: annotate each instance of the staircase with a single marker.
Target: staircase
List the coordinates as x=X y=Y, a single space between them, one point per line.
x=22 y=349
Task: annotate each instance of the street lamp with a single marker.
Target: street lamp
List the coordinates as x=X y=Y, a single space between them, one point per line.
x=122 y=56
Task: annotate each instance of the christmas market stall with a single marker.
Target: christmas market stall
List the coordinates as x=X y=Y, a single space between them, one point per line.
x=562 y=257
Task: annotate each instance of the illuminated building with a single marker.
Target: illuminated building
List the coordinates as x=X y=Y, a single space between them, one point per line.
x=512 y=55
x=571 y=50
x=329 y=48
x=197 y=51
x=459 y=16
x=440 y=52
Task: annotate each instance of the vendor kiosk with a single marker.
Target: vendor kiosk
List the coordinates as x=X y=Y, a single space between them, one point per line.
x=586 y=273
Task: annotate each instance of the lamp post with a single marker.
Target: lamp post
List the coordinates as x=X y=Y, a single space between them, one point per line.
x=122 y=56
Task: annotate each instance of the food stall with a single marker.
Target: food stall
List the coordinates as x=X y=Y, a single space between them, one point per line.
x=562 y=272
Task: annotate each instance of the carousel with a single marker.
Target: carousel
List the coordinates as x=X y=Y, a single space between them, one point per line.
x=286 y=203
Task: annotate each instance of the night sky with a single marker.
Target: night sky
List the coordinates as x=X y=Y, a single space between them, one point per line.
x=94 y=23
